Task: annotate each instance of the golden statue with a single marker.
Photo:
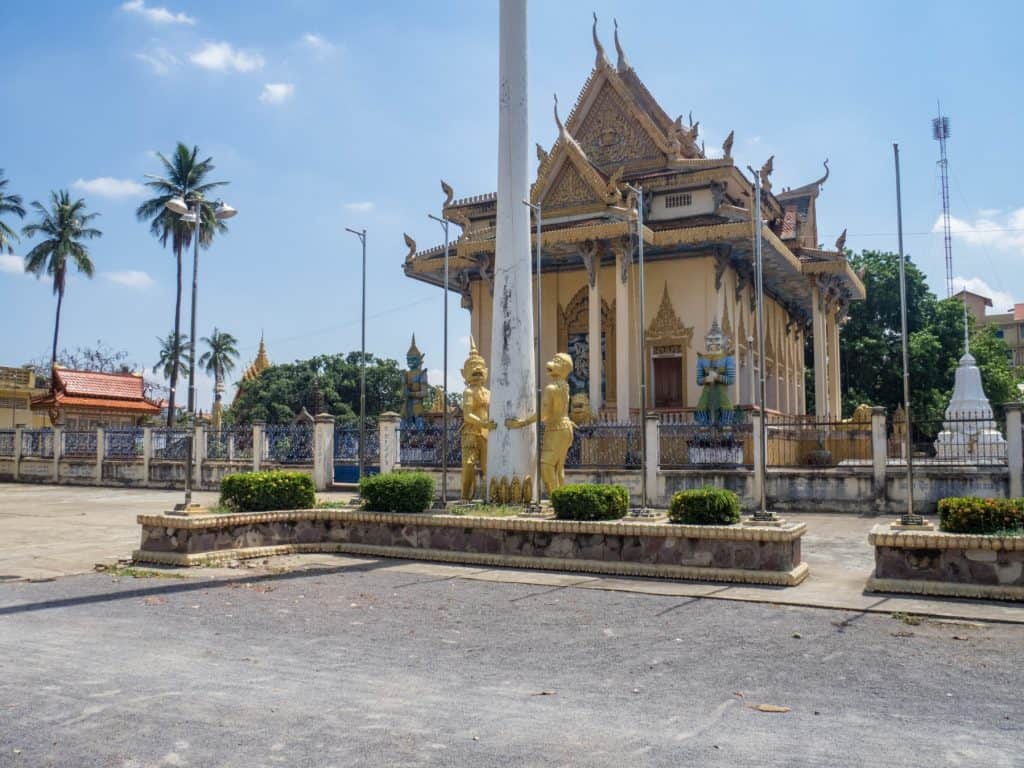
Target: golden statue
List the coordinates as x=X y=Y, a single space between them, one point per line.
x=579 y=409
x=558 y=427
x=476 y=421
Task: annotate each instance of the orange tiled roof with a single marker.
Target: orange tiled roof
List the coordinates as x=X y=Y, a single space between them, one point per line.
x=107 y=404
x=126 y=386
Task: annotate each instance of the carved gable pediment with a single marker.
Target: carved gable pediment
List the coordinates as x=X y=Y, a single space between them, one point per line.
x=612 y=136
x=570 y=190
x=666 y=325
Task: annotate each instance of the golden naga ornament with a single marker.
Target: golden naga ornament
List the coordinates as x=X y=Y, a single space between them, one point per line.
x=558 y=427
x=476 y=422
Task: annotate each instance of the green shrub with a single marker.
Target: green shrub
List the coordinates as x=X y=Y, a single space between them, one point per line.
x=969 y=514
x=705 y=506
x=259 y=491
x=590 y=502
x=397 y=491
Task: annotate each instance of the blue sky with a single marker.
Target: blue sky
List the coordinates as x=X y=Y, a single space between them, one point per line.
x=326 y=115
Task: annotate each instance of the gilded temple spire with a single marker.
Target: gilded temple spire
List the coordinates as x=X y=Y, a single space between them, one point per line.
x=623 y=63
x=602 y=58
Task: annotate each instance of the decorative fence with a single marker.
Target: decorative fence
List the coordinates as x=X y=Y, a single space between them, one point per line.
x=969 y=439
x=7 y=442
x=605 y=446
x=229 y=443
x=123 y=442
x=420 y=445
x=288 y=443
x=687 y=440
x=78 y=443
x=37 y=443
x=170 y=444
x=346 y=444
x=807 y=441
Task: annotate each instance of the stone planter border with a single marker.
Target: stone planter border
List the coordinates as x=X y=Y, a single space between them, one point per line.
x=947 y=564
x=175 y=540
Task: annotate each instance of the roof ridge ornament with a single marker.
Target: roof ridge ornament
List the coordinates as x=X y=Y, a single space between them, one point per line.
x=841 y=241
x=766 y=172
x=449 y=193
x=622 y=65
x=411 y=244
x=824 y=178
x=602 y=58
x=727 y=145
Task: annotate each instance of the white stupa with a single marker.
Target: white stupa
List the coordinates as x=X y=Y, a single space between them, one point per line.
x=969 y=431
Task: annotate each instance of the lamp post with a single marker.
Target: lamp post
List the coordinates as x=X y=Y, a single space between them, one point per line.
x=639 y=192
x=361 y=234
x=536 y=208
x=194 y=216
x=444 y=375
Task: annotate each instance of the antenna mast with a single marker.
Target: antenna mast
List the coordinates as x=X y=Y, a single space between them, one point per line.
x=940 y=132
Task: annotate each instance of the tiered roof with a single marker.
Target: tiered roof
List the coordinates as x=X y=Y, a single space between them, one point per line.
x=93 y=390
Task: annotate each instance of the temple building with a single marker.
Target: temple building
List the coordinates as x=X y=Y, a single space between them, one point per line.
x=88 y=399
x=698 y=235
x=17 y=388
x=256 y=367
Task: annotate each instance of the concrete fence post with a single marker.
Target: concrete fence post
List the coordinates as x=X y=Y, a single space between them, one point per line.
x=879 y=456
x=147 y=453
x=58 y=444
x=257 y=444
x=755 y=485
x=17 y=453
x=323 y=451
x=100 y=439
x=387 y=426
x=653 y=458
x=198 y=454
x=1014 y=456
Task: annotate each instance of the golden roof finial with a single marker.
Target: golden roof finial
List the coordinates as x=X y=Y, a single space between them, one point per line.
x=601 y=57
x=623 y=63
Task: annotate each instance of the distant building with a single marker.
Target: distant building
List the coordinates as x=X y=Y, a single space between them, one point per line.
x=87 y=399
x=17 y=388
x=1009 y=325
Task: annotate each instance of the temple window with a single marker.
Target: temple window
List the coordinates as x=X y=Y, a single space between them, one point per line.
x=679 y=200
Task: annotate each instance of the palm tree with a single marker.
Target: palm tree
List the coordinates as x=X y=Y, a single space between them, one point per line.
x=219 y=359
x=185 y=177
x=65 y=225
x=8 y=204
x=173 y=354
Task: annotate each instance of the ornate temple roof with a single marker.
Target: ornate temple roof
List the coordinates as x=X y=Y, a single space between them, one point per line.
x=258 y=365
x=91 y=389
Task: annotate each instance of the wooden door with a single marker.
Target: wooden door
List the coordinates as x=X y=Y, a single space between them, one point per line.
x=668 y=382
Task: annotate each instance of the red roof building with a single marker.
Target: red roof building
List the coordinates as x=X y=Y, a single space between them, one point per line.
x=87 y=399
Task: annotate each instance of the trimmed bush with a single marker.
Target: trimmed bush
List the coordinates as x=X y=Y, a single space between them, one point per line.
x=705 y=506
x=397 y=491
x=970 y=514
x=261 y=491
x=590 y=502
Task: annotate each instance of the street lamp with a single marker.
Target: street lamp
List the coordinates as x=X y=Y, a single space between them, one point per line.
x=361 y=234
x=193 y=215
x=536 y=208
x=444 y=375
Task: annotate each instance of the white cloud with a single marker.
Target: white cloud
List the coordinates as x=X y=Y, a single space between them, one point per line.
x=106 y=186
x=12 y=265
x=362 y=207
x=322 y=48
x=1001 y=301
x=1000 y=232
x=222 y=56
x=277 y=93
x=156 y=14
x=131 y=278
x=159 y=59
x=988 y=213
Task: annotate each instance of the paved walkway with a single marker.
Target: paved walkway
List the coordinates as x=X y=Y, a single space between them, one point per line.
x=51 y=531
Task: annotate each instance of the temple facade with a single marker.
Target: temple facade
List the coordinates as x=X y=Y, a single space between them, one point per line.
x=698 y=236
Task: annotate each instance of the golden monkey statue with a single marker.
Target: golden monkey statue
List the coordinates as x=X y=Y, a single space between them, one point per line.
x=476 y=421
x=558 y=427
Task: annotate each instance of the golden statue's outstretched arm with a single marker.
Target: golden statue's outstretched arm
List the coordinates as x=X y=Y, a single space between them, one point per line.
x=519 y=423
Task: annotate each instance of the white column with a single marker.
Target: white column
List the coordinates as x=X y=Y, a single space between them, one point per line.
x=323 y=451
x=1014 y=456
x=835 y=399
x=511 y=451
x=755 y=425
x=388 y=423
x=17 y=453
x=623 y=371
x=257 y=444
x=594 y=337
x=147 y=453
x=820 y=354
x=58 y=440
x=100 y=453
x=653 y=457
x=198 y=455
x=879 y=455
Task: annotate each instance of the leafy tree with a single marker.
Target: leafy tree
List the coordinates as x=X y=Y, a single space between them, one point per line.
x=871 y=356
x=219 y=359
x=9 y=204
x=330 y=382
x=65 y=225
x=174 y=353
x=184 y=177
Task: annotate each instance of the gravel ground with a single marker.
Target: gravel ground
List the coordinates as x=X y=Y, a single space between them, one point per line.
x=366 y=665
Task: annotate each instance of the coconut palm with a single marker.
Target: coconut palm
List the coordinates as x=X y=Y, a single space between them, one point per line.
x=8 y=204
x=65 y=225
x=174 y=353
x=219 y=359
x=184 y=177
